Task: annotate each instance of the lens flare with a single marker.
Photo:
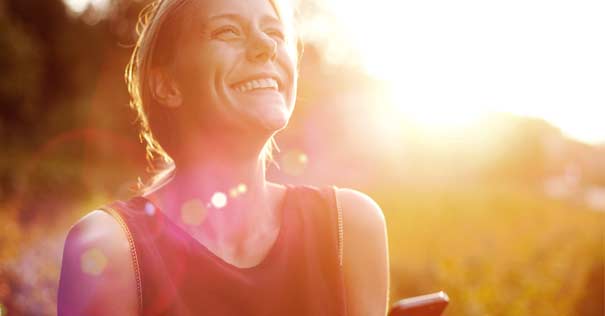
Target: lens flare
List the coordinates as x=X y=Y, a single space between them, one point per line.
x=193 y=212
x=219 y=200
x=294 y=162
x=93 y=261
x=149 y=209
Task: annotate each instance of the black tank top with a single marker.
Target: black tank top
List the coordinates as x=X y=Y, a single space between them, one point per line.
x=301 y=274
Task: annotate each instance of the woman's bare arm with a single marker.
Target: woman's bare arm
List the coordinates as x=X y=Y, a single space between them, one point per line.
x=365 y=254
x=97 y=274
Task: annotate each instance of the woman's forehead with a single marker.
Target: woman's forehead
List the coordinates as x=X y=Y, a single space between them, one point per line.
x=237 y=9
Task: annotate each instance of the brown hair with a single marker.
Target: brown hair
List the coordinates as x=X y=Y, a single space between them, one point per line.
x=154 y=21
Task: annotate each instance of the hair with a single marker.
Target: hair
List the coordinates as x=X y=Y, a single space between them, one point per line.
x=153 y=47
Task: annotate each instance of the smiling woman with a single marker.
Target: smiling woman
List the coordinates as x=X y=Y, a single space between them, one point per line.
x=212 y=53
x=212 y=82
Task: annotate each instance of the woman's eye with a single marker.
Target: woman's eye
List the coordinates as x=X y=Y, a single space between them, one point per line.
x=226 y=33
x=276 y=34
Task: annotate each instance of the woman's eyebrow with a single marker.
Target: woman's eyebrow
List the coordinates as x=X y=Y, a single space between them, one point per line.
x=237 y=17
x=228 y=16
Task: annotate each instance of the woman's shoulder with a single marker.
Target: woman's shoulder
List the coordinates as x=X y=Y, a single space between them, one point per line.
x=98 y=230
x=362 y=217
x=359 y=204
x=97 y=257
x=366 y=264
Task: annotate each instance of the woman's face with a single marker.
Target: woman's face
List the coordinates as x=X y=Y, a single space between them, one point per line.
x=236 y=66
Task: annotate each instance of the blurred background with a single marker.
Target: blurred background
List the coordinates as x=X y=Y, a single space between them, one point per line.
x=478 y=127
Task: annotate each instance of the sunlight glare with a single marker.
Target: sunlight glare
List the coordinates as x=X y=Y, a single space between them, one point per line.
x=450 y=60
x=79 y=6
x=435 y=113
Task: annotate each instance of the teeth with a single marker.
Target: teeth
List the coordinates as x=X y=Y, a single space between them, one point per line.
x=257 y=84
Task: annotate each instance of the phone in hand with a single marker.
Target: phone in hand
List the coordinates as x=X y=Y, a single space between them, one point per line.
x=424 y=305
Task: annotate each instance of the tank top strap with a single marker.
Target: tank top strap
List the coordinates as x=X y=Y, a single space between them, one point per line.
x=139 y=218
x=335 y=215
x=322 y=212
x=336 y=220
x=329 y=213
x=123 y=214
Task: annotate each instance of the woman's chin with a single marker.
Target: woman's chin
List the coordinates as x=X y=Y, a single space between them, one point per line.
x=271 y=121
x=274 y=125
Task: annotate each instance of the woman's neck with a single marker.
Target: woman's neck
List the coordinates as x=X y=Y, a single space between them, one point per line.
x=222 y=200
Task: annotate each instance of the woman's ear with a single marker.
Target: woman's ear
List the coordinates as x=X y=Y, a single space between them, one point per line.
x=164 y=88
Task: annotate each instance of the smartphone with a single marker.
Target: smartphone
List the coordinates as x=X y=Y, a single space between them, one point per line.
x=424 y=305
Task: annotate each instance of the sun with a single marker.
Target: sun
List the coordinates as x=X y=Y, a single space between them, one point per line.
x=79 y=6
x=452 y=62
x=435 y=112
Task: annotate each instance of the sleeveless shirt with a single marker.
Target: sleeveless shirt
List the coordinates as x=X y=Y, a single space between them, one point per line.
x=301 y=274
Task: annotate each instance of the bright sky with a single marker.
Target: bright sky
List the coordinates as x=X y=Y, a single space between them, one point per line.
x=78 y=6
x=449 y=61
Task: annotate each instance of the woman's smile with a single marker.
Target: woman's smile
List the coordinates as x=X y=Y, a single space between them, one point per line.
x=262 y=97
x=257 y=84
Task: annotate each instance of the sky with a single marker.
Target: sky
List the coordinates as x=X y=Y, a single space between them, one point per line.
x=78 y=6
x=449 y=62
x=452 y=61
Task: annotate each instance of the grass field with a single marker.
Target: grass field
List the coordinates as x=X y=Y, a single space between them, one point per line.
x=496 y=251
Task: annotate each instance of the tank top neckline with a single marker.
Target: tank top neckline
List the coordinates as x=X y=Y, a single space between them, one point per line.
x=198 y=245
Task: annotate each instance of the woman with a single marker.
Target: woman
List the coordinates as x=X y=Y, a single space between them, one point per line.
x=215 y=80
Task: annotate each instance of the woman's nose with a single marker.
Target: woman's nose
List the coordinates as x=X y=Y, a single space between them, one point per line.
x=262 y=48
